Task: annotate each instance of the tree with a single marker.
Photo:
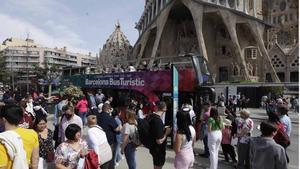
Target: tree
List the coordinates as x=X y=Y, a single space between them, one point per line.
x=48 y=74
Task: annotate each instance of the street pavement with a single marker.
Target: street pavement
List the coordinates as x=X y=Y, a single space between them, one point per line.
x=144 y=159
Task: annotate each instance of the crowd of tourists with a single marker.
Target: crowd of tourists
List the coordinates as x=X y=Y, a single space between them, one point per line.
x=93 y=133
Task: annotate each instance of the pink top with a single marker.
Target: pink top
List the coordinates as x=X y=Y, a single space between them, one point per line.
x=226 y=135
x=206 y=116
x=82 y=106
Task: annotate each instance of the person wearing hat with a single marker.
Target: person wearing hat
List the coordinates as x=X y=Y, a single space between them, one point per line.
x=227 y=148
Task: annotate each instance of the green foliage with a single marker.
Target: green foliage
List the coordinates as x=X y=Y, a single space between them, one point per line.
x=274 y=90
x=74 y=92
x=49 y=72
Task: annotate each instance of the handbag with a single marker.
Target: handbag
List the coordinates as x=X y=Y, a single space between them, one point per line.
x=234 y=141
x=91 y=160
x=50 y=156
x=105 y=152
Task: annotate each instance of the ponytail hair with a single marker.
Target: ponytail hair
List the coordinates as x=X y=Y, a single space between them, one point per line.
x=215 y=115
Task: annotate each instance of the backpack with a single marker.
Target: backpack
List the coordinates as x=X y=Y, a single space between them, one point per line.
x=134 y=137
x=143 y=128
x=282 y=138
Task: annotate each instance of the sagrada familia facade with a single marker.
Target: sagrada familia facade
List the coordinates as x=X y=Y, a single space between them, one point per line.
x=242 y=40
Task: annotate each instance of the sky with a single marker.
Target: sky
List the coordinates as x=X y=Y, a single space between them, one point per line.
x=81 y=25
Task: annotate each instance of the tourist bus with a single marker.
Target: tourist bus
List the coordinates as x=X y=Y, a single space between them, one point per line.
x=194 y=81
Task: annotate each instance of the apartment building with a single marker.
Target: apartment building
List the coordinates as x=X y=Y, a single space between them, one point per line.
x=24 y=55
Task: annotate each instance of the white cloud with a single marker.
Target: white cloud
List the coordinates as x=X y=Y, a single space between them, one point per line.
x=58 y=35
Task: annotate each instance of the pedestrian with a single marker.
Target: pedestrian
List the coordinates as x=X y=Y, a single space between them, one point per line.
x=118 y=156
x=29 y=106
x=68 y=118
x=27 y=121
x=45 y=135
x=109 y=100
x=58 y=109
x=16 y=140
x=215 y=126
x=227 y=148
x=111 y=128
x=82 y=107
x=130 y=136
x=99 y=97
x=264 y=152
x=187 y=104
x=140 y=112
x=91 y=100
x=204 y=128
x=282 y=111
x=184 y=141
x=244 y=129
x=158 y=135
x=244 y=102
x=97 y=141
x=296 y=104
x=69 y=153
x=39 y=110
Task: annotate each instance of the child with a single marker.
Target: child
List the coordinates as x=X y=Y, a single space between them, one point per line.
x=226 y=142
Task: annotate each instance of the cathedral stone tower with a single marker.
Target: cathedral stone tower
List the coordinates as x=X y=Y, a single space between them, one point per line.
x=116 y=50
x=282 y=37
x=229 y=34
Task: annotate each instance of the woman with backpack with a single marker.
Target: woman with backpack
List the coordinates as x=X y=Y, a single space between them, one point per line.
x=130 y=139
x=215 y=126
x=185 y=138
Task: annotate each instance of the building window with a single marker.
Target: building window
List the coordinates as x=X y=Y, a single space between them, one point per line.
x=294 y=76
x=268 y=77
x=281 y=76
x=251 y=53
x=274 y=20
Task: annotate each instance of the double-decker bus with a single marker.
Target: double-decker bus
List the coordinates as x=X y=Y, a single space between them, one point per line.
x=194 y=81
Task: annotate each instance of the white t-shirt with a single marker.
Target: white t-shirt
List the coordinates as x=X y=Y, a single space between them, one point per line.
x=95 y=136
x=65 y=123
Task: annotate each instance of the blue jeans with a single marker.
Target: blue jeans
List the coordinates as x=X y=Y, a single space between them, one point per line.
x=118 y=155
x=130 y=155
x=82 y=115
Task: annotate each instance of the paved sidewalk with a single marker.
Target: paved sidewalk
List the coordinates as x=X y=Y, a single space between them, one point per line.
x=262 y=115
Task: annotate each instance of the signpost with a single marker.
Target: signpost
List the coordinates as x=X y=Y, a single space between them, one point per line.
x=175 y=94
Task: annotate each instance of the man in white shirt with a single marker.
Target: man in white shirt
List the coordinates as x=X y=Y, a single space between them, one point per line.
x=96 y=140
x=69 y=117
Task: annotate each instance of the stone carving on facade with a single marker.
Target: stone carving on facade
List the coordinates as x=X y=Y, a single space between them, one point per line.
x=250 y=69
x=187 y=41
x=236 y=69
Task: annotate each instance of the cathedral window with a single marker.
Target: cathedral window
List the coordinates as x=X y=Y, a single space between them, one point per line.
x=295 y=63
x=251 y=53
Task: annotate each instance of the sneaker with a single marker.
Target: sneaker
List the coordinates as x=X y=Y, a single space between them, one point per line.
x=117 y=164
